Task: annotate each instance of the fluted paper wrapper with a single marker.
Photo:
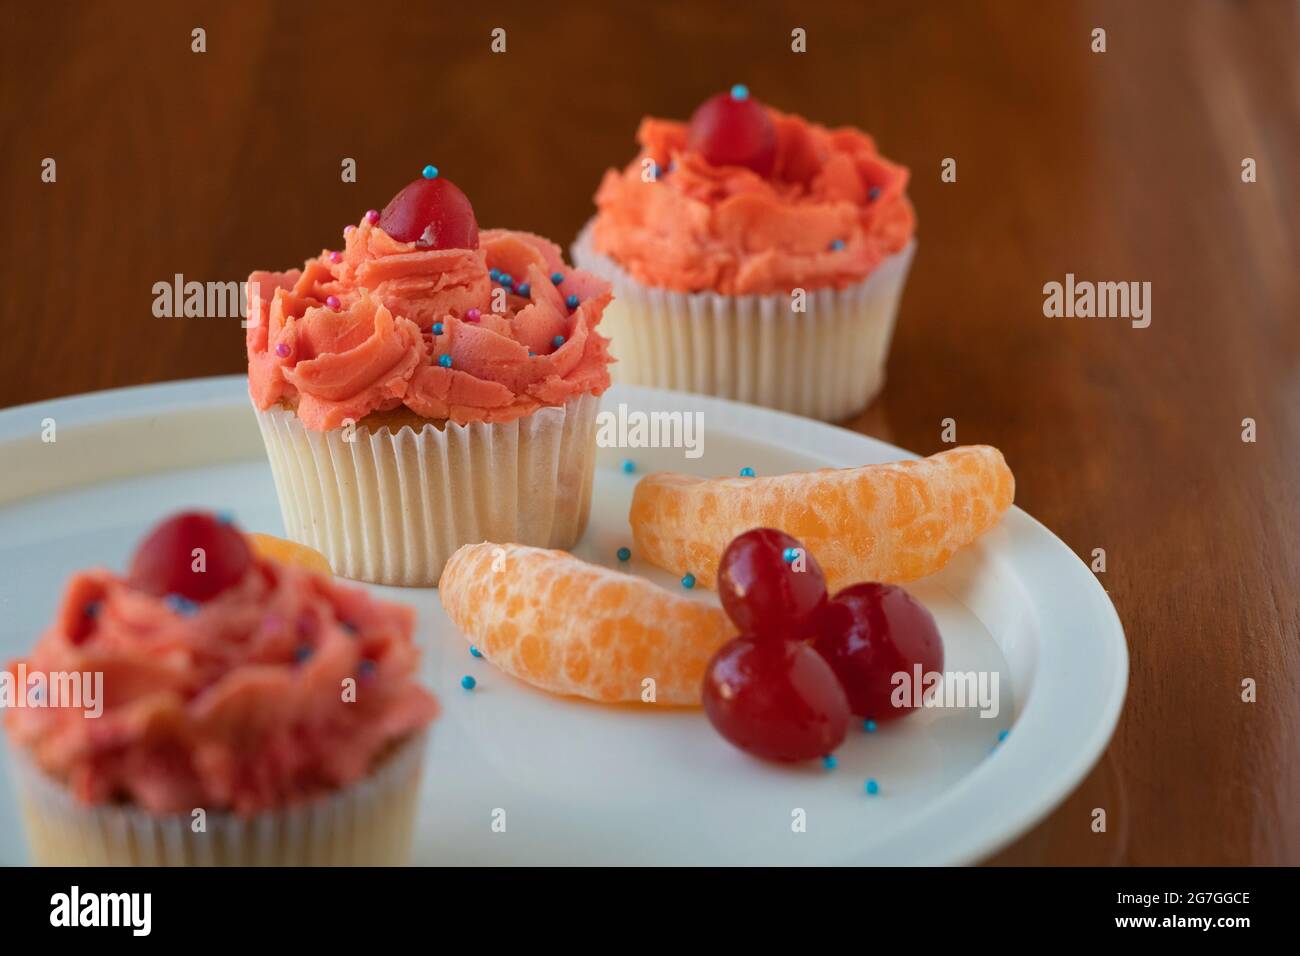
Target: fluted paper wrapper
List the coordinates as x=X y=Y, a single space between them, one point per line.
x=390 y=507
x=369 y=823
x=827 y=362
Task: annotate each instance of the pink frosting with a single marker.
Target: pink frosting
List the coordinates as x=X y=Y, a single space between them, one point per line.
x=238 y=706
x=377 y=351
x=698 y=227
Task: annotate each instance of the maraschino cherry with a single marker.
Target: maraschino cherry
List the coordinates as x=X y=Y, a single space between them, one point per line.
x=192 y=555
x=733 y=129
x=769 y=585
x=776 y=699
x=432 y=213
x=868 y=633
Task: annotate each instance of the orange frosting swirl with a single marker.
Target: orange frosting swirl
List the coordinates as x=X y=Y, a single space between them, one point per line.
x=239 y=706
x=377 y=351
x=831 y=212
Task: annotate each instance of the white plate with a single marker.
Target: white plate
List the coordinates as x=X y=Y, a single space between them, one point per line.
x=582 y=783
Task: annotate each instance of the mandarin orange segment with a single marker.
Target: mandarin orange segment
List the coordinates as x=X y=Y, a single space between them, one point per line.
x=287 y=552
x=893 y=522
x=570 y=627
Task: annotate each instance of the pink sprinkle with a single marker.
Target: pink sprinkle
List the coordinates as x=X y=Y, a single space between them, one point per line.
x=472 y=315
x=282 y=350
x=348 y=229
x=336 y=257
x=272 y=622
x=332 y=301
x=372 y=216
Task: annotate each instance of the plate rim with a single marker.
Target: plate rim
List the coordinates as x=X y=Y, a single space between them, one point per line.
x=1025 y=753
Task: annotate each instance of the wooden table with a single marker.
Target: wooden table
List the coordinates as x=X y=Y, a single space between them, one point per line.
x=1117 y=166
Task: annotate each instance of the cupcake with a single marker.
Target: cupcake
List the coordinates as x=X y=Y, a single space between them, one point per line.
x=216 y=706
x=755 y=256
x=428 y=386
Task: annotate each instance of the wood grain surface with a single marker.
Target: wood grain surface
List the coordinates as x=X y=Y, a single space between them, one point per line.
x=1116 y=166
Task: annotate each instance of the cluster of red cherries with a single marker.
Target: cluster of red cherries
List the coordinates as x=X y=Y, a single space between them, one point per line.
x=785 y=688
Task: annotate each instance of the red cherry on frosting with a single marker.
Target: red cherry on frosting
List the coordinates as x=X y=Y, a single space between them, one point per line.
x=733 y=129
x=433 y=214
x=192 y=555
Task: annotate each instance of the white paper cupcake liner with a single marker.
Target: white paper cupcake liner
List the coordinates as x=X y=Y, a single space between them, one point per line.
x=369 y=823
x=827 y=362
x=391 y=507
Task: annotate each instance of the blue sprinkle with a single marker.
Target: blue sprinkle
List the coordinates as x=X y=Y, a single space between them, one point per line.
x=872 y=787
x=437 y=328
x=747 y=472
x=180 y=605
x=302 y=653
x=524 y=289
x=789 y=555
x=468 y=682
x=1003 y=735
x=506 y=278
x=474 y=651
x=429 y=172
x=366 y=668
x=829 y=761
x=688 y=581
x=625 y=554
x=444 y=361
x=348 y=627
x=869 y=726
x=225 y=517
x=557 y=277
x=494 y=274
x=629 y=466
x=571 y=301
x=873 y=193
x=837 y=245
x=740 y=92
x=558 y=341
x=532 y=354
x=654 y=170
x=92 y=609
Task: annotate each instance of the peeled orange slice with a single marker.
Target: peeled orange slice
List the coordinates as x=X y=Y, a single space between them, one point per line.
x=287 y=552
x=570 y=627
x=893 y=522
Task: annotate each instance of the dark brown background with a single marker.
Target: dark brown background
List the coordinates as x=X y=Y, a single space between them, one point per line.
x=1115 y=166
